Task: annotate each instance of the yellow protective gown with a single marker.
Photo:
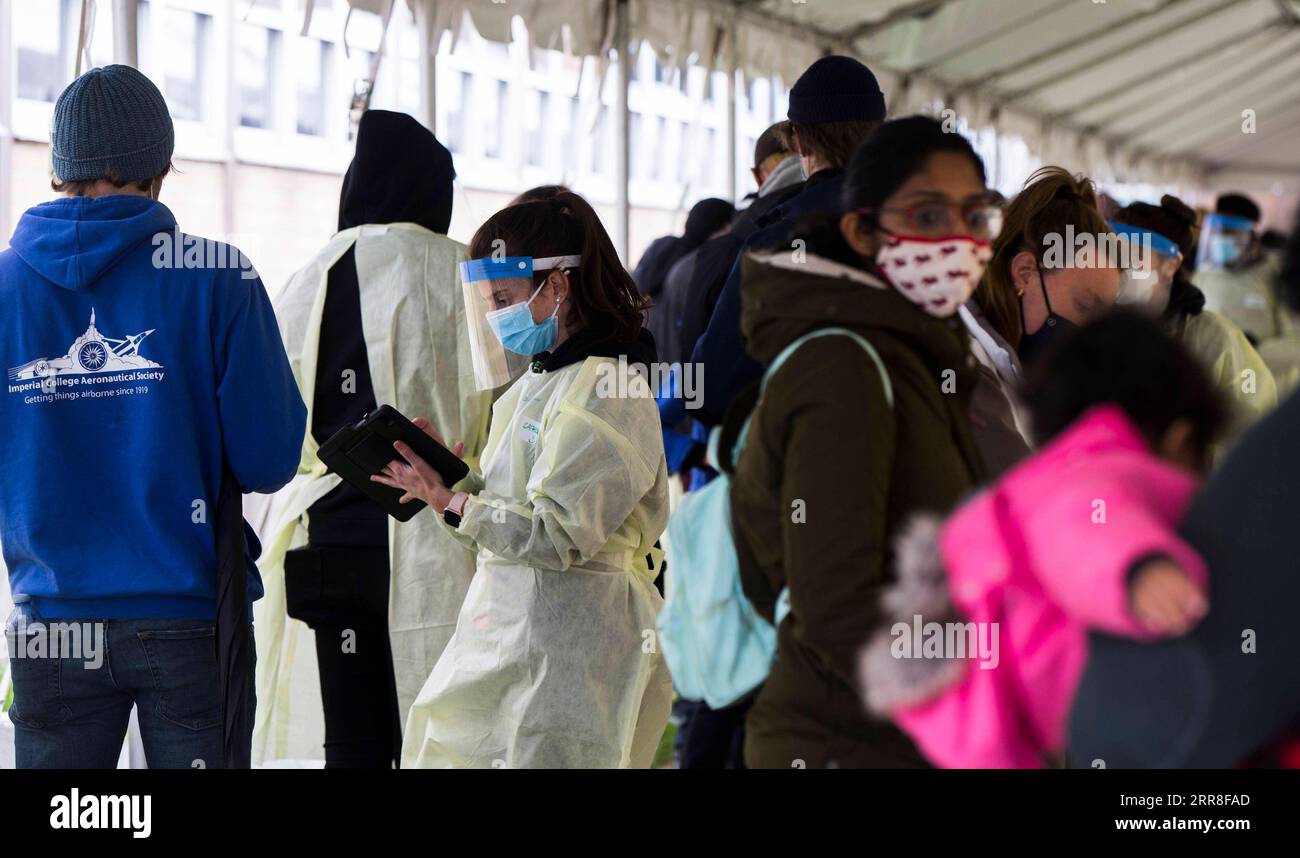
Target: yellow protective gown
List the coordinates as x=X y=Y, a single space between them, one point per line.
x=1234 y=367
x=1247 y=297
x=555 y=662
x=1283 y=357
x=413 y=320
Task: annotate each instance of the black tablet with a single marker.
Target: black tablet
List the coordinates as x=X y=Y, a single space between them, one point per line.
x=359 y=451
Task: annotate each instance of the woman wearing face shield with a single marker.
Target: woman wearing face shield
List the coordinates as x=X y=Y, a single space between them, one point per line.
x=853 y=432
x=1162 y=237
x=553 y=663
x=1236 y=274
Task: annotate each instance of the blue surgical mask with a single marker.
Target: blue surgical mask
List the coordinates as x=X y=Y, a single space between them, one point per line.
x=1224 y=250
x=518 y=333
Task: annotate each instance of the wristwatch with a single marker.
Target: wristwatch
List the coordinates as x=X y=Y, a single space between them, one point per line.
x=455 y=509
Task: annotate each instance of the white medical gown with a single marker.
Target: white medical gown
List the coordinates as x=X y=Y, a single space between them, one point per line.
x=554 y=662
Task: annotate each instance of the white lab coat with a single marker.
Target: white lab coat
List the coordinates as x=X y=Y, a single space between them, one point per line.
x=413 y=320
x=555 y=661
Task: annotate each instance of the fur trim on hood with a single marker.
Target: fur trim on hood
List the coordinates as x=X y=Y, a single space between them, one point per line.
x=890 y=682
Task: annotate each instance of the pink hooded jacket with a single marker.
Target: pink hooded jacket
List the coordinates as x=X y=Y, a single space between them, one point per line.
x=1045 y=554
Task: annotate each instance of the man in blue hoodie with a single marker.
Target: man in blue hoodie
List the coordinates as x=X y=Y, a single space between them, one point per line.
x=143 y=364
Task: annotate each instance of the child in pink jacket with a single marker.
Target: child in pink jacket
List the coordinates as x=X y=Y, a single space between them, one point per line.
x=990 y=615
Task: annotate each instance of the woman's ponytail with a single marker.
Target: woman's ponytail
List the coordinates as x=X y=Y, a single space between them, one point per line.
x=1052 y=200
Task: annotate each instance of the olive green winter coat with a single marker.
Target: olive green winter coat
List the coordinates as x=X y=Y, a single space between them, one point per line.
x=827 y=475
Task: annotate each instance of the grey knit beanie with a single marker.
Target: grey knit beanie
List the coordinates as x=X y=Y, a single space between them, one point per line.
x=111 y=119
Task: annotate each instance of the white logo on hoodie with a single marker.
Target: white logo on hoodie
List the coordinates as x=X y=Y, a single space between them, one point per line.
x=91 y=354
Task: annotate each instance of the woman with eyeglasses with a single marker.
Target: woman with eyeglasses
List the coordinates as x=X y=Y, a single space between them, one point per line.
x=854 y=429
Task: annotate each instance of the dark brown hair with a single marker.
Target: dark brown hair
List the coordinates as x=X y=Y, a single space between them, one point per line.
x=79 y=188
x=831 y=142
x=1176 y=221
x=1052 y=199
x=541 y=193
x=601 y=292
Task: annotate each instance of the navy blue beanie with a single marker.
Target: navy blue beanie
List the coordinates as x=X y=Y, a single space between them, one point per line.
x=836 y=89
x=111 y=121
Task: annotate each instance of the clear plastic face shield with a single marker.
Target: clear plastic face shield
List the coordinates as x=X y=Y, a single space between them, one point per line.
x=1225 y=241
x=1149 y=261
x=489 y=286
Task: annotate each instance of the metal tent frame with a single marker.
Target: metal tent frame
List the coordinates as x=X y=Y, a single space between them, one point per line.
x=1178 y=135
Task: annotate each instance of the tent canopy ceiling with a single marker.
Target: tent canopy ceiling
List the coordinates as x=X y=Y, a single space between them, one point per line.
x=1168 y=89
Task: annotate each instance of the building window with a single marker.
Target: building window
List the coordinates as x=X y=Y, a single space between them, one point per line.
x=535 y=133
x=684 y=139
x=313 y=65
x=258 y=49
x=600 y=144
x=635 y=129
x=183 y=63
x=569 y=156
x=662 y=74
x=44 y=49
x=660 y=150
x=707 y=161
x=493 y=147
x=458 y=116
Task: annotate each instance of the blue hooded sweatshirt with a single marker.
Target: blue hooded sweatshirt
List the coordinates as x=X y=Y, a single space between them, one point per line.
x=138 y=358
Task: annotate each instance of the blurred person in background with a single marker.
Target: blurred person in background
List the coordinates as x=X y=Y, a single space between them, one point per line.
x=707 y=219
x=692 y=291
x=853 y=430
x=1281 y=353
x=703 y=221
x=1235 y=272
x=711 y=738
x=779 y=174
x=1228 y=694
x=549 y=665
x=120 y=445
x=1163 y=286
x=834 y=105
x=376 y=317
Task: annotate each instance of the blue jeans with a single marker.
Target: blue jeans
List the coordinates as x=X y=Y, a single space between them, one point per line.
x=75 y=682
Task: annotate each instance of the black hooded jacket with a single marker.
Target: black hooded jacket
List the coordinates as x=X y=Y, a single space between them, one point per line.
x=400 y=174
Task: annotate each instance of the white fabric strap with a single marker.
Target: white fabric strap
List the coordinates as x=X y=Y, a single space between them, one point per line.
x=547 y=263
